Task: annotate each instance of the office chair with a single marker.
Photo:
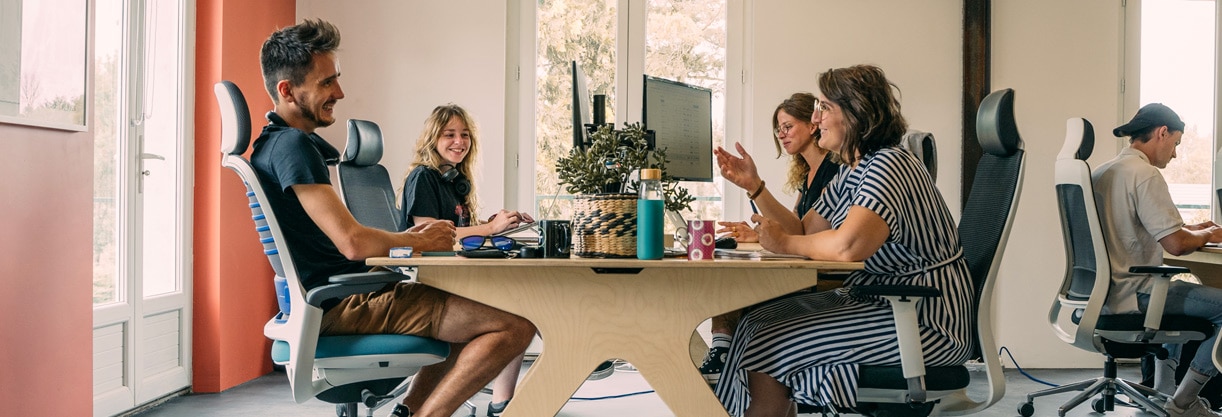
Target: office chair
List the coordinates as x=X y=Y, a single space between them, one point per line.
x=344 y=370
x=364 y=184
x=923 y=146
x=1083 y=290
x=912 y=389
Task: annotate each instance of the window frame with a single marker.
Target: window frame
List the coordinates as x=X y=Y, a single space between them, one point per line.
x=630 y=47
x=1130 y=88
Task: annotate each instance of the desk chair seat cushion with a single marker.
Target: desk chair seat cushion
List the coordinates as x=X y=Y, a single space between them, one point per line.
x=372 y=344
x=937 y=378
x=1170 y=323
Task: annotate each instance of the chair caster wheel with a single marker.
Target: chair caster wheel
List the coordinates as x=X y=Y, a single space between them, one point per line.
x=1026 y=409
x=1099 y=405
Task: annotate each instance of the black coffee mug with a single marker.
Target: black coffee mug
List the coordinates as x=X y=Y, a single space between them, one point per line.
x=554 y=237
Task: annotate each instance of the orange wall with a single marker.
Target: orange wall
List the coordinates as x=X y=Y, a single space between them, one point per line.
x=233 y=287
x=46 y=272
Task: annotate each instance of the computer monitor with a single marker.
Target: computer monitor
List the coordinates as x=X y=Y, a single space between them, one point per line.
x=681 y=118
x=581 y=107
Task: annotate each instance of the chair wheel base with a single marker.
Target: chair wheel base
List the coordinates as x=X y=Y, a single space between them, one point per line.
x=1099 y=405
x=900 y=410
x=1026 y=409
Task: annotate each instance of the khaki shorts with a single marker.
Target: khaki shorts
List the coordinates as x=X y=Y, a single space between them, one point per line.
x=399 y=308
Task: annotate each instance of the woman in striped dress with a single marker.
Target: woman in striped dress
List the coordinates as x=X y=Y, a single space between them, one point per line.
x=883 y=209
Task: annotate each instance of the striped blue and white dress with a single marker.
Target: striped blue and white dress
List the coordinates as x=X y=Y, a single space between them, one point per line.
x=813 y=343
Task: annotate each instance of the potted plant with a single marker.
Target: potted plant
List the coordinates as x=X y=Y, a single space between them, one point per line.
x=601 y=177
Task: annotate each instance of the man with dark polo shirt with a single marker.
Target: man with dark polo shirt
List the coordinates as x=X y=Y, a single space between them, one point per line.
x=301 y=73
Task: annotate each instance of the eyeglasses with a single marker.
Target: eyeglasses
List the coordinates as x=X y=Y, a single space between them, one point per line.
x=475 y=242
x=782 y=129
x=821 y=108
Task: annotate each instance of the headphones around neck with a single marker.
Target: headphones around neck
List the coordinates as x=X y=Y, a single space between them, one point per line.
x=330 y=155
x=275 y=119
x=461 y=185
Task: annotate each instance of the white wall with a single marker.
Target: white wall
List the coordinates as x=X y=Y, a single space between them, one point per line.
x=400 y=59
x=916 y=43
x=1062 y=58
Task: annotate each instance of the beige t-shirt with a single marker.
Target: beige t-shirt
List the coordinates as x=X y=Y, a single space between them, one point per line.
x=1135 y=211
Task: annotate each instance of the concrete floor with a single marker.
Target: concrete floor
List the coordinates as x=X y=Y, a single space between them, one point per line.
x=269 y=396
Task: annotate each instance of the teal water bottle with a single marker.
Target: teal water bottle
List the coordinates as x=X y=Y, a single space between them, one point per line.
x=649 y=206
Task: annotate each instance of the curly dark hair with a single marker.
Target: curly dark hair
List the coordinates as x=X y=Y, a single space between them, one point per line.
x=871 y=111
x=289 y=53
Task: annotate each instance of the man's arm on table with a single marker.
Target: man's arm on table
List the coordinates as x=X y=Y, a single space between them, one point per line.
x=357 y=242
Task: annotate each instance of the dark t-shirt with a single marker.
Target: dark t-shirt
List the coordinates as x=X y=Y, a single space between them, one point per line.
x=284 y=157
x=808 y=194
x=426 y=194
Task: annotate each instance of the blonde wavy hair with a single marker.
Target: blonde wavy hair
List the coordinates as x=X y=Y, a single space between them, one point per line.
x=426 y=151
x=800 y=106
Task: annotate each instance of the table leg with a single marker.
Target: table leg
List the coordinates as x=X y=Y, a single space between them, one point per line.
x=646 y=318
x=551 y=380
x=681 y=386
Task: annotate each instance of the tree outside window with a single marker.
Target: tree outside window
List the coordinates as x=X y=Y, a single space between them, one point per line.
x=685 y=41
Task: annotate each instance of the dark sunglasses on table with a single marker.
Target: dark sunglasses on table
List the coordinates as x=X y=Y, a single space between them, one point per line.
x=475 y=242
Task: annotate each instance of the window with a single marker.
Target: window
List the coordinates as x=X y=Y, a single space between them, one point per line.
x=685 y=41
x=682 y=40
x=1177 y=69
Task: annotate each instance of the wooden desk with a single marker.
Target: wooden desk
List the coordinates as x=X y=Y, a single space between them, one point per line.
x=1206 y=264
x=591 y=310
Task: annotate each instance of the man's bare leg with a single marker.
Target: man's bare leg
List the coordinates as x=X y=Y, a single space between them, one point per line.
x=507 y=381
x=493 y=339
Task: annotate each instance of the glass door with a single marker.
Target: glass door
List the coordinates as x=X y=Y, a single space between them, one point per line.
x=141 y=217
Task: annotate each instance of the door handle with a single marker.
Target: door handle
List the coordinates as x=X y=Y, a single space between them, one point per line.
x=145 y=172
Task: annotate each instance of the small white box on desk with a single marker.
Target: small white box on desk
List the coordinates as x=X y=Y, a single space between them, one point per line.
x=401 y=252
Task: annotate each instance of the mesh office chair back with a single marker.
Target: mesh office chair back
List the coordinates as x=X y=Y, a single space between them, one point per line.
x=364 y=184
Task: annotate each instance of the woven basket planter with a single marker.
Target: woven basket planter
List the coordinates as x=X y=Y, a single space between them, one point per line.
x=604 y=225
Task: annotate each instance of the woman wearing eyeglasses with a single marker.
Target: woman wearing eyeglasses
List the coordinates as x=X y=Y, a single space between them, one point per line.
x=810 y=166
x=441 y=186
x=810 y=169
x=884 y=209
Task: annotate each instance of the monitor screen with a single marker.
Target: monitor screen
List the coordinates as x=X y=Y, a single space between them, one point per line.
x=581 y=107
x=681 y=117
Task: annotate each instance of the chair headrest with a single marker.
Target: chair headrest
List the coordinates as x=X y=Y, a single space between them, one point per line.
x=235 y=118
x=995 y=125
x=1079 y=139
x=364 y=143
x=923 y=146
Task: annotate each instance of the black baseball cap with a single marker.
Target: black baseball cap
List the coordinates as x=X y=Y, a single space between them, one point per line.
x=1150 y=115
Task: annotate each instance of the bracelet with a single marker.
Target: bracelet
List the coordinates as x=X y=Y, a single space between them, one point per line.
x=756 y=193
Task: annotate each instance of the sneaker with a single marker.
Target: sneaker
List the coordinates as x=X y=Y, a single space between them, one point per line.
x=603 y=370
x=1198 y=408
x=714 y=361
x=495 y=409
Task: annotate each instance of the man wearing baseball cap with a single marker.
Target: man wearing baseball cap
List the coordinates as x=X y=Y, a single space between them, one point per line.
x=1140 y=222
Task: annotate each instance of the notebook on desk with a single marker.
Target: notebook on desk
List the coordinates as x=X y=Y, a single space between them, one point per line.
x=753 y=254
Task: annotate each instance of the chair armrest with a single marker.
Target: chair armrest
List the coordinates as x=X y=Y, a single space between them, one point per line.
x=1158 y=293
x=908 y=335
x=1164 y=270
x=895 y=290
x=347 y=284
